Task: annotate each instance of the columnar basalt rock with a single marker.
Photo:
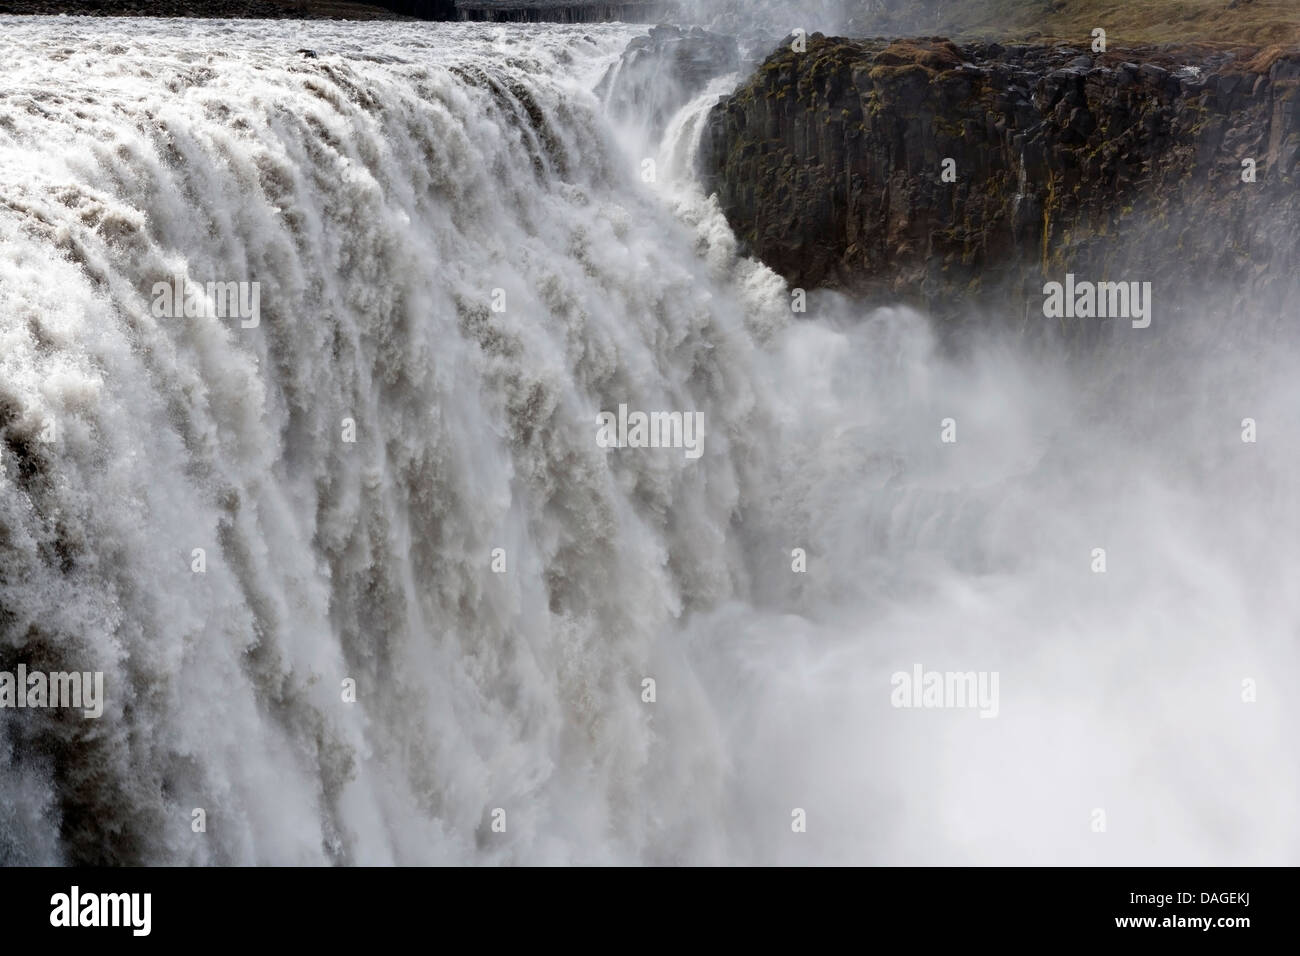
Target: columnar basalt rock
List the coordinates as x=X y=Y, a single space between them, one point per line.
x=1128 y=165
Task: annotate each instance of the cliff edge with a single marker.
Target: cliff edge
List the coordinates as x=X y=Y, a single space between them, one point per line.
x=963 y=177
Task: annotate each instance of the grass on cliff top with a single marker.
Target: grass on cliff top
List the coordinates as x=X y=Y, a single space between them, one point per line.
x=1130 y=22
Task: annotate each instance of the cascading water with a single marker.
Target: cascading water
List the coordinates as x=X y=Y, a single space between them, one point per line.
x=459 y=260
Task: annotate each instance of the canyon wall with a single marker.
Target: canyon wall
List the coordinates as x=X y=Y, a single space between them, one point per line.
x=1126 y=165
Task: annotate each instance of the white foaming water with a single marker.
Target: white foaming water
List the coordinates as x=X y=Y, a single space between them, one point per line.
x=379 y=194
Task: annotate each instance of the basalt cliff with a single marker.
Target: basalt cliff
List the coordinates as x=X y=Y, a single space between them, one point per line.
x=965 y=177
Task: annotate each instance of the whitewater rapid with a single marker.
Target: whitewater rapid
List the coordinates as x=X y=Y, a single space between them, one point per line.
x=385 y=195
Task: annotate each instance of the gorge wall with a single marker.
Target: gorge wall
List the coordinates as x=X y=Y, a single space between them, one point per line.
x=1126 y=165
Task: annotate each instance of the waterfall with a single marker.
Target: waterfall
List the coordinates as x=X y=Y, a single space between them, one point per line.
x=365 y=588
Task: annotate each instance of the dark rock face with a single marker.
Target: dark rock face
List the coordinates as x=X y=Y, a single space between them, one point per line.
x=1122 y=166
x=660 y=72
x=423 y=9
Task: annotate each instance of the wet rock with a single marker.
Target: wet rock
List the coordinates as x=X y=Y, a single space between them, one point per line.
x=828 y=165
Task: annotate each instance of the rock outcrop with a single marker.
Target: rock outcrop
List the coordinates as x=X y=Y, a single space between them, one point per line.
x=1127 y=165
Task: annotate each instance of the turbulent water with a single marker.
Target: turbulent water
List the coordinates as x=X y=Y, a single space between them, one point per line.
x=386 y=195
